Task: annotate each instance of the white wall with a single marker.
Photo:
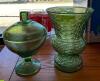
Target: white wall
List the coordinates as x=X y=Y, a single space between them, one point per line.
x=7 y=0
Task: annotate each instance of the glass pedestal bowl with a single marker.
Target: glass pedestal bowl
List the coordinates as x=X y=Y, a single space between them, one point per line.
x=24 y=38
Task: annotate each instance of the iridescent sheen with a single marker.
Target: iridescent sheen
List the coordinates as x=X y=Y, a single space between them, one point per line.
x=69 y=24
x=24 y=38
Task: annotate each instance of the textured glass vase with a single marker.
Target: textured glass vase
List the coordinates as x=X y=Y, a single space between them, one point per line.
x=24 y=38
x=68 y=41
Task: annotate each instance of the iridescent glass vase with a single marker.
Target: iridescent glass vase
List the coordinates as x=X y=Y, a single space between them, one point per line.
x=24 y=38
x=68 y=41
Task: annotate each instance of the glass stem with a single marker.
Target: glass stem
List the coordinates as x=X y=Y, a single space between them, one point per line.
x=28 y=59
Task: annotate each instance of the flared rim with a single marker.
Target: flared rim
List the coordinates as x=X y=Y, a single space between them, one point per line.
x=67 y=10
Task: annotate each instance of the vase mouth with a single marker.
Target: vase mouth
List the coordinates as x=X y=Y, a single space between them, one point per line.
x=67 y=10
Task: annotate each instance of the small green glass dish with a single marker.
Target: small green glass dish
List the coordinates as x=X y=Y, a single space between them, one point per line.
x=25 y=38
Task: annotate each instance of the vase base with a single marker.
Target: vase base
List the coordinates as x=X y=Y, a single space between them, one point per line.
x=27 y=68
x=68 y=69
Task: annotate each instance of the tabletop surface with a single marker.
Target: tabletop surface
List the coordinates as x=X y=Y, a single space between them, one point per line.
x=89 y=72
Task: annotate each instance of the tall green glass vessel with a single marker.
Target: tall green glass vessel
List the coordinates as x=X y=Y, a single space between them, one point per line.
x=24 y=38
x=68 y=41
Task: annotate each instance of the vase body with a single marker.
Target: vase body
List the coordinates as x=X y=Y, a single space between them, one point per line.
x=68 y=41
x=24 y=38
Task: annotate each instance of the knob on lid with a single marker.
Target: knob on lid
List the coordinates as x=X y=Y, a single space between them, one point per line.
x=24 y=16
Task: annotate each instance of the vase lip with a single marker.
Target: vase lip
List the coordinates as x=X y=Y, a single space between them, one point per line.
x=68 y=10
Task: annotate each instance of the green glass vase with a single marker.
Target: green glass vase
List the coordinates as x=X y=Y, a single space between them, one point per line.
x=68 y=41
x=24 y=38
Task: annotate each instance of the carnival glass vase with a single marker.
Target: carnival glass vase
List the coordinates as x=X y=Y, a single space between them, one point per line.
x=24 y=38
x=68 y=41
